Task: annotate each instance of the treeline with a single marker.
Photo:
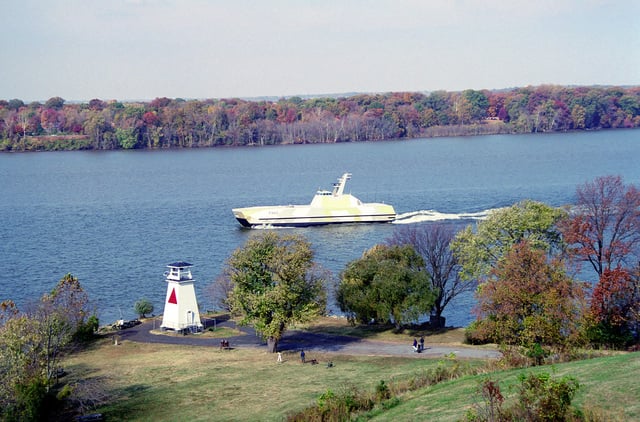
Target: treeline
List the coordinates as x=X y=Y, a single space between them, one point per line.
x=178 y=123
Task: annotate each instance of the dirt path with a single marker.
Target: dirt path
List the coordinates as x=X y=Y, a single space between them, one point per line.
x=310 y=342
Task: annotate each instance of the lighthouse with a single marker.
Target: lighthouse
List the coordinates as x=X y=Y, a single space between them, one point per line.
x=180 y=307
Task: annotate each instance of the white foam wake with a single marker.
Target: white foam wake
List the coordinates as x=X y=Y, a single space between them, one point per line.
x=431 y=215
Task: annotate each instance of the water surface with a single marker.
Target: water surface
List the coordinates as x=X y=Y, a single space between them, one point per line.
x=114 y=219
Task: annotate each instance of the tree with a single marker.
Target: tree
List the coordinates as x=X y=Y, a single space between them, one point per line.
x=479 y=251
x=15 y=104
x=143 y=307
x=126 y=138
x=478 y=102
x=220 y=292
x=604 y=226
x=388 y=284
x=32 y=342
x=55 y=103
x=615 y=307
x=433 y=243
x=529 y=300
x=275 y=283
x=59 y=315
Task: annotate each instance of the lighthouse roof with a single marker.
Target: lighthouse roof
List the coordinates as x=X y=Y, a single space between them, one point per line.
x=180 y=264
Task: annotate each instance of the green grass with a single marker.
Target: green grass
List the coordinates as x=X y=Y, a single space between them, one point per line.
x=177 y=383
x=608 y=385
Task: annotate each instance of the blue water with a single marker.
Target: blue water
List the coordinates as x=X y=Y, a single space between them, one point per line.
x=115 y=219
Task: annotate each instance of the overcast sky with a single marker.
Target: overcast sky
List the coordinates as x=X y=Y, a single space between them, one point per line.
x=143 y=49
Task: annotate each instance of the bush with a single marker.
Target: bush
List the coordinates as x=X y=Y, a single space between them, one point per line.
x=537 y=353
x=29 y=401
x=607 y=335
x=335 y=407
x=491 y=407
x=540 y=398
x=87 y=329
x=382 y=391
x=544 y=398
x=143 y=307
x=477 y=333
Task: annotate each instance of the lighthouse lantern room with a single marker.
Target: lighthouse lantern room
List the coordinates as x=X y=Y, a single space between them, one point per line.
x=180 y=307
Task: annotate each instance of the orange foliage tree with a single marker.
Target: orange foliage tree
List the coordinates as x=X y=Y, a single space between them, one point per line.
x=529 y=300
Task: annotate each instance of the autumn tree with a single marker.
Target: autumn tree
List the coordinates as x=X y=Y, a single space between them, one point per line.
x=615 y=307
x=275 y=283
x=479 y=251
x=603 y=228
x=32 y=343
x=528 y=300
x=165 y=122
x=387 y=284
x=433 y=243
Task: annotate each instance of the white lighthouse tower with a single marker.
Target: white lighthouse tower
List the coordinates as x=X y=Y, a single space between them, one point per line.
x=180 y=307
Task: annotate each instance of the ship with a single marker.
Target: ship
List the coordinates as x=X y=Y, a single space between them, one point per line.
x=326 y=207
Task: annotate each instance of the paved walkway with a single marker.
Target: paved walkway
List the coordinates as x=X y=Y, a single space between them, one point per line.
x=297 y=340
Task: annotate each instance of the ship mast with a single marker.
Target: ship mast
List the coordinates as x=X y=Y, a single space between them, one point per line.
x=338 y=188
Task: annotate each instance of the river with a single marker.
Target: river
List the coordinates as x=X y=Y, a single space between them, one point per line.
x=114 y=219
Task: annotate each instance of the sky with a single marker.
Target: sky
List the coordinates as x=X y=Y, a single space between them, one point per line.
x=144 y=49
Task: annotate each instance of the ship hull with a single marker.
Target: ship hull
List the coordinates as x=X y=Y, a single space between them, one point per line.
x=301 y=216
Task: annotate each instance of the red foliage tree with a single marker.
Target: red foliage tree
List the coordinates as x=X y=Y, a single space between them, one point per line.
x=616 y=300
x=604 y=228
x=150 y=118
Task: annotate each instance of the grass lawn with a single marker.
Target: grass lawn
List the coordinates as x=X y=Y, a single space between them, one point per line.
x=176 y=383
x=607 y=384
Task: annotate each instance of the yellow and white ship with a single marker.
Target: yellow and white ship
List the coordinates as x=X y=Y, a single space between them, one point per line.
x=327 y=207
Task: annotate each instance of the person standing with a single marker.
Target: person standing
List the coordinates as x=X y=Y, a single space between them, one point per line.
x=415 y=345
x=302 y=356
x=421 y=343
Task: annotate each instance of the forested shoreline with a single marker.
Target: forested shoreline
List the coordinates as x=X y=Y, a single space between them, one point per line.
x=179 y=123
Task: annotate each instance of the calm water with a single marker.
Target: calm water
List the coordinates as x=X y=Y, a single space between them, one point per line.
x=115 y=219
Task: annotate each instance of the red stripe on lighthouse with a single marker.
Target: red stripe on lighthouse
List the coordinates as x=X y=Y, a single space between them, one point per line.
x=172 y=297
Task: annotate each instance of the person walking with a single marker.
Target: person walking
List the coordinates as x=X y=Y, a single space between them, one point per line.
x=415 y=345
x=421 y=343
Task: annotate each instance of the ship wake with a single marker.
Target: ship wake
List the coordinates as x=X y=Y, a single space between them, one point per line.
x=432 y=215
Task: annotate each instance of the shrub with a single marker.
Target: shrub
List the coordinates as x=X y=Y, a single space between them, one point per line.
x=491 y=407
x=29 y=401
x=382 y=391
x=143 y=307
x=87 y=329
x=335 y=407
x=544 y=398
x=537 y=353
x=477 y=333
x=540 y=398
